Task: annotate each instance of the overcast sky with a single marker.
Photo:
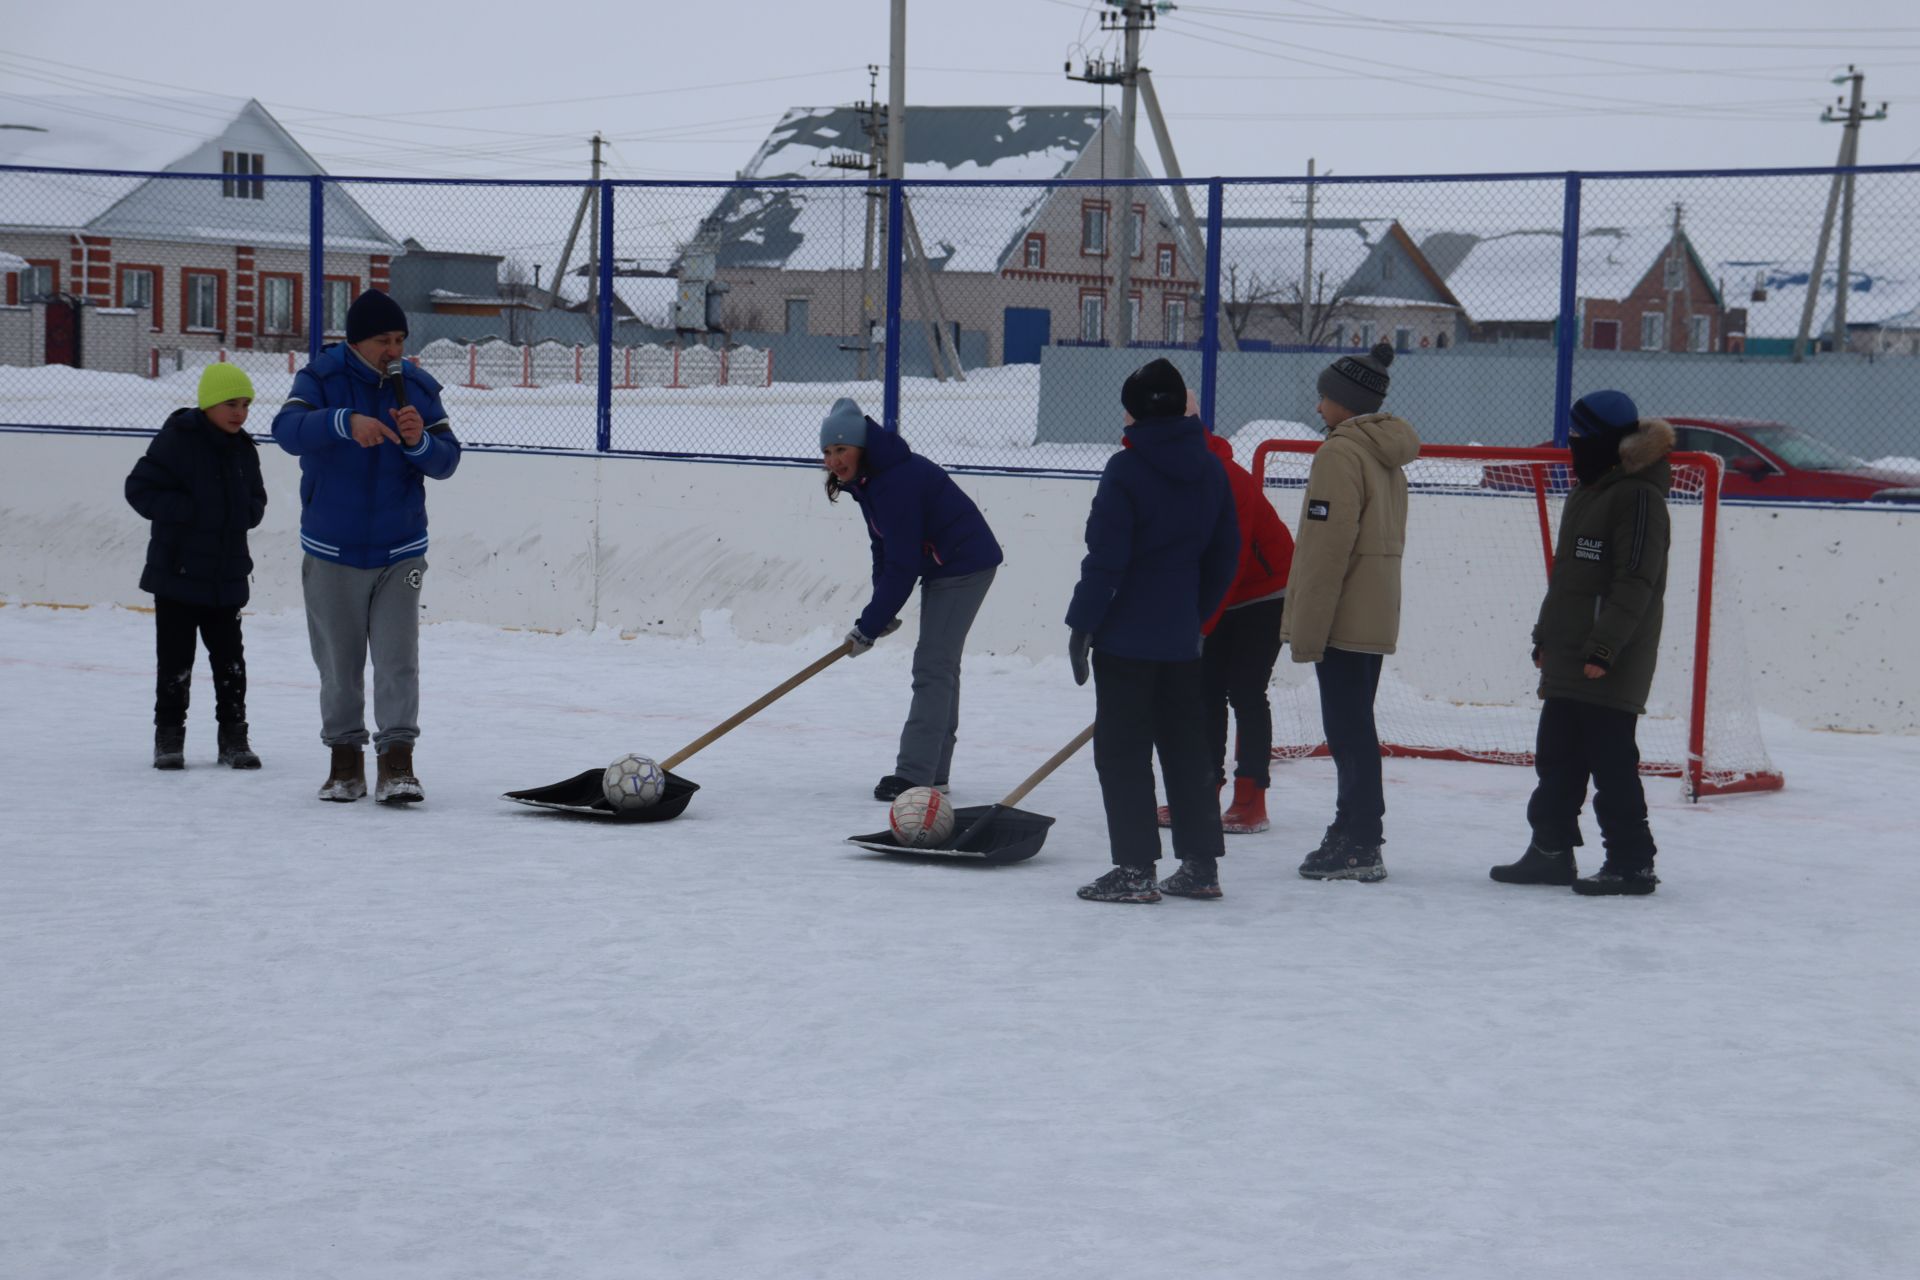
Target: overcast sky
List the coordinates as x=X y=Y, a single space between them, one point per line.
x=1251 y=86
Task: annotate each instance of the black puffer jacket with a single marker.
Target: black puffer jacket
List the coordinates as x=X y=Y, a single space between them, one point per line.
x=202 y=489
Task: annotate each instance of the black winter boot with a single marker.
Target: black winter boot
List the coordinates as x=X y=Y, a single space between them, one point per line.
x=170 y=746
x=234 y=751
x=1339 y=858
x=890 y=787
x=1613 y=880
x=1123 y=884
x=1196 y=878
x=1539 y=866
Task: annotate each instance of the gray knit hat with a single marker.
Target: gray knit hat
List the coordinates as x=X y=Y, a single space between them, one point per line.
x=844 y=424
x=1358 y=383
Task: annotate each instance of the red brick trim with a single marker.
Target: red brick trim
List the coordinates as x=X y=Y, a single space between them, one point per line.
x=157 y=320
x=1033 y=238
x=54 y=263
x=1173 y=260
x=1107 y=207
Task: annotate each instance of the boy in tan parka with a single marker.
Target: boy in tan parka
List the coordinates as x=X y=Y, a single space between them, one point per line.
x=1343 y=607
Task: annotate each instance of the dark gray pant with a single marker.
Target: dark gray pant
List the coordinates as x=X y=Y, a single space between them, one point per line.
x=948 y=607
x=351 y=613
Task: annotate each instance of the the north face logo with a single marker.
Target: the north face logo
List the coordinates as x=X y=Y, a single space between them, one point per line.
x=1318 y=509
x=1590 y=548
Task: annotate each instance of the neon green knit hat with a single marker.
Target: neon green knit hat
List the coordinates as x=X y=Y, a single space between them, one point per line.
x=222 y=382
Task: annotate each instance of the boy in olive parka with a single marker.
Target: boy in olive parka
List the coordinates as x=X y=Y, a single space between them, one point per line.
x=1596 y=643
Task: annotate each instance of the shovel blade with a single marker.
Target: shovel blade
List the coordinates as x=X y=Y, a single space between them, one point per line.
x=989 y=832
x=582 y=796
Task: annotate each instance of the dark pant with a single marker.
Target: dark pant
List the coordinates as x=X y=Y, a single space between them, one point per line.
x=175 y=624
x=1348 y=681
x=1237 y=662
x=1577 y=741
x=1141 y=706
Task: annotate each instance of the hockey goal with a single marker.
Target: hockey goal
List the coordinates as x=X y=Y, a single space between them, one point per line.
x=1480 y=529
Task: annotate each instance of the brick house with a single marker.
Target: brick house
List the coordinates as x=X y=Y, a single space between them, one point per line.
x=1364 y=280
x=1025 y=265
x=221 y=262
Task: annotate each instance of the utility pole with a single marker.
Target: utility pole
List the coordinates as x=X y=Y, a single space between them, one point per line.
x=875 y=198
x=1133 y=14
x=1306 y=267
x=589 y=198
x=1842 y=183
x=897 y=93
x=593 y=233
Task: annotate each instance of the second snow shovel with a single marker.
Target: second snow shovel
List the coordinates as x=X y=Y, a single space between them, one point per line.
x=990 y=832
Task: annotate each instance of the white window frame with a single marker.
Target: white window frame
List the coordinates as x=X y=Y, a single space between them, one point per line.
x=1653 y=331
x=196 y=297
x=140 y=296
x=1035 y=253
x=276 y=291
x=1137 y=218
x=343 y=290
x=1093 y=218
x=1699 y=333
x=1402 y=338
x=36 y=281
x=1093 y=317
x=1176 y=319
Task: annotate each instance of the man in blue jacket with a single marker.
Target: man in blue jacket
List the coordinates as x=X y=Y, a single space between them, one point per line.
x=368 y=429
x=1163 y=544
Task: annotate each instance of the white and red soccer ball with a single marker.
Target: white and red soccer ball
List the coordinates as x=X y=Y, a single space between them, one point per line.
x=921 y=818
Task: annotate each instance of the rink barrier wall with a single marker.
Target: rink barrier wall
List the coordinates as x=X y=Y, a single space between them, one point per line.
x=563 y=542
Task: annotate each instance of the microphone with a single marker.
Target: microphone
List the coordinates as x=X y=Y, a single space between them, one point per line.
x=396 y=375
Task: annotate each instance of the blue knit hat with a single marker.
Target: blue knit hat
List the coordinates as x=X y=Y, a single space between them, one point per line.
x=1604 y=413
x=844 y=424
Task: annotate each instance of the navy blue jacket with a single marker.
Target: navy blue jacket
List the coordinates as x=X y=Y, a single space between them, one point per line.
x=919 y=523
x=362 y=507
x=202 y=489
x=1163 y=544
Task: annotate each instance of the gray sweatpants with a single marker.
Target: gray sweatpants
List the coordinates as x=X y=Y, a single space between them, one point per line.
x=349 y=613
x=947 y=610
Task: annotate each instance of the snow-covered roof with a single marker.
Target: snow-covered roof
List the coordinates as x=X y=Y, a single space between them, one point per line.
x=1880 y=293
x=10 y=263
x=1516 y=275
x=964 y=229
x=1265 y=257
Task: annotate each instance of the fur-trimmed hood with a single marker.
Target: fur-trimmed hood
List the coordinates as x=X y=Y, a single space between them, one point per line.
x=1646 y=444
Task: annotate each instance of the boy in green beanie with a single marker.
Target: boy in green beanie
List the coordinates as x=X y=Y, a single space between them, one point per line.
x=200 y=485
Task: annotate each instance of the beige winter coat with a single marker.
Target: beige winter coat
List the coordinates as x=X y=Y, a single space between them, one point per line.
x=1345 y=589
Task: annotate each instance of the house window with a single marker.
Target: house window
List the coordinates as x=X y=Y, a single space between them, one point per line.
x=1366 y=335
x=203 y=300
x=1441 y=341
x=1653 y=332
x=339 y=295
x=279 y=304
x=1093 y=317
x=796 y=315
x=1700 y=333
x=1133 y=317
x=1402 y=339
x=1606 y=335
x=1176 y=319
x=140 y=288
x=239 y=170
x=39 y=280
x=1163 y=261
x=1036 y=252
x=1093 y=228
x=1139 y=240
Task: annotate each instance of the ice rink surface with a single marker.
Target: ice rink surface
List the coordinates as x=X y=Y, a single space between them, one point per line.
x=248 y=1035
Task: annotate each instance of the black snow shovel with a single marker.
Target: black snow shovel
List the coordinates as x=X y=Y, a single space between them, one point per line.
x=582 y=794
x=990 y=832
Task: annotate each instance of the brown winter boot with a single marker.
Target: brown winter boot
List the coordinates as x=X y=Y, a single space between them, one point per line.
x=396 y=783
x=1164 y=814
x=348 y=780
x=1249 y=811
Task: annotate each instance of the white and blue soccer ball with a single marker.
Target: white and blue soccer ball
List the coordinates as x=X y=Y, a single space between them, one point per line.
x=633 y=782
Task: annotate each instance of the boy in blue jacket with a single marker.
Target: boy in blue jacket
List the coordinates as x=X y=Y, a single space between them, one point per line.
x=369 y=430
x=923 y=530
x=1163 y=544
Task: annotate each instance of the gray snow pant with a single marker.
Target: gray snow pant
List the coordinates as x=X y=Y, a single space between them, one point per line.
x=349 y=612
x=947 y=609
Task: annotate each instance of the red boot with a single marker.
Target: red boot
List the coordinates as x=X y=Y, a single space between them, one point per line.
x=1165 y=815
x=1249 y=811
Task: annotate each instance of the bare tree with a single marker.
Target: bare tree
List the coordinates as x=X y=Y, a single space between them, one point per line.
x=1280 y=306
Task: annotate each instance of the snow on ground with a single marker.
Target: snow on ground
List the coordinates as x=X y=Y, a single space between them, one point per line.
x=249 y=1034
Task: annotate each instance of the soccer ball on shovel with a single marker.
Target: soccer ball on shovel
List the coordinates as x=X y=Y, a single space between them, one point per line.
x=921 y=818
x=633 y=782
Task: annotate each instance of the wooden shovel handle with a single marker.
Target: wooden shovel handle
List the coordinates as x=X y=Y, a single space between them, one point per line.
x=1039 y=775
x=759 y=704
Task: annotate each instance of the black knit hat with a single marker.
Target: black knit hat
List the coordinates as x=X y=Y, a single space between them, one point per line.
x=1358 y=383
x=1155 y=390
x=374 y=312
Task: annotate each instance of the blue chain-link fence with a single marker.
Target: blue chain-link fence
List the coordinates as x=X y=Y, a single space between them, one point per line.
x=1774 y=315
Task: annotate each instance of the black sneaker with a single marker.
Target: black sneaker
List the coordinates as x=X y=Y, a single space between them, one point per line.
x=890 y=787
x=1339 y=858
x=1123 y=884
x=1196 y=878
x=170 y=746
x=1614 y=882
x=234 y=751
x=1539 y=866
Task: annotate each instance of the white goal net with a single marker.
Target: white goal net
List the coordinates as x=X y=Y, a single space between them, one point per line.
x=1462 y=686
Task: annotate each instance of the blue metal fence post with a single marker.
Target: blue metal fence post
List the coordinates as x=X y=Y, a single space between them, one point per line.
x=603 y=380
x=316 y=265
x=1566 y=331
x=896 y=254
x=1210 y=304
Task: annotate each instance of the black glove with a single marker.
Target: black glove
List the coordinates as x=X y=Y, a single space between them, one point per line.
x=1077 y=646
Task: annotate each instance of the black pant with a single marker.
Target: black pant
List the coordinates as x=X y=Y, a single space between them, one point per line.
x=1141 y=706
x=1348 y=681
x=1577 y=741
x=1237 y=661
x=175 y=625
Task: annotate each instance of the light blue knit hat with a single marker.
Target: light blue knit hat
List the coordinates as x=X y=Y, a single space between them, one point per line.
x=844 y=424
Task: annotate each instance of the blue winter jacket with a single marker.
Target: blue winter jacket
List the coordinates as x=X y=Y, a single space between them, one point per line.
x=1162 y=545
x=919 y=523
x=362 y=507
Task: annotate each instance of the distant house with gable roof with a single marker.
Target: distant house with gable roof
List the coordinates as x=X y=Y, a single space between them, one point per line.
x=222 y=262
x=1334 y=282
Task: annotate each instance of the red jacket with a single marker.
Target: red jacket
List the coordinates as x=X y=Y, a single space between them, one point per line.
x=1266 y=548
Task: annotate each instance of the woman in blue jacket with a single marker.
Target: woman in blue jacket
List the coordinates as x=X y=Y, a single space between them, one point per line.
x=1163 y=544
x=922 y=529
